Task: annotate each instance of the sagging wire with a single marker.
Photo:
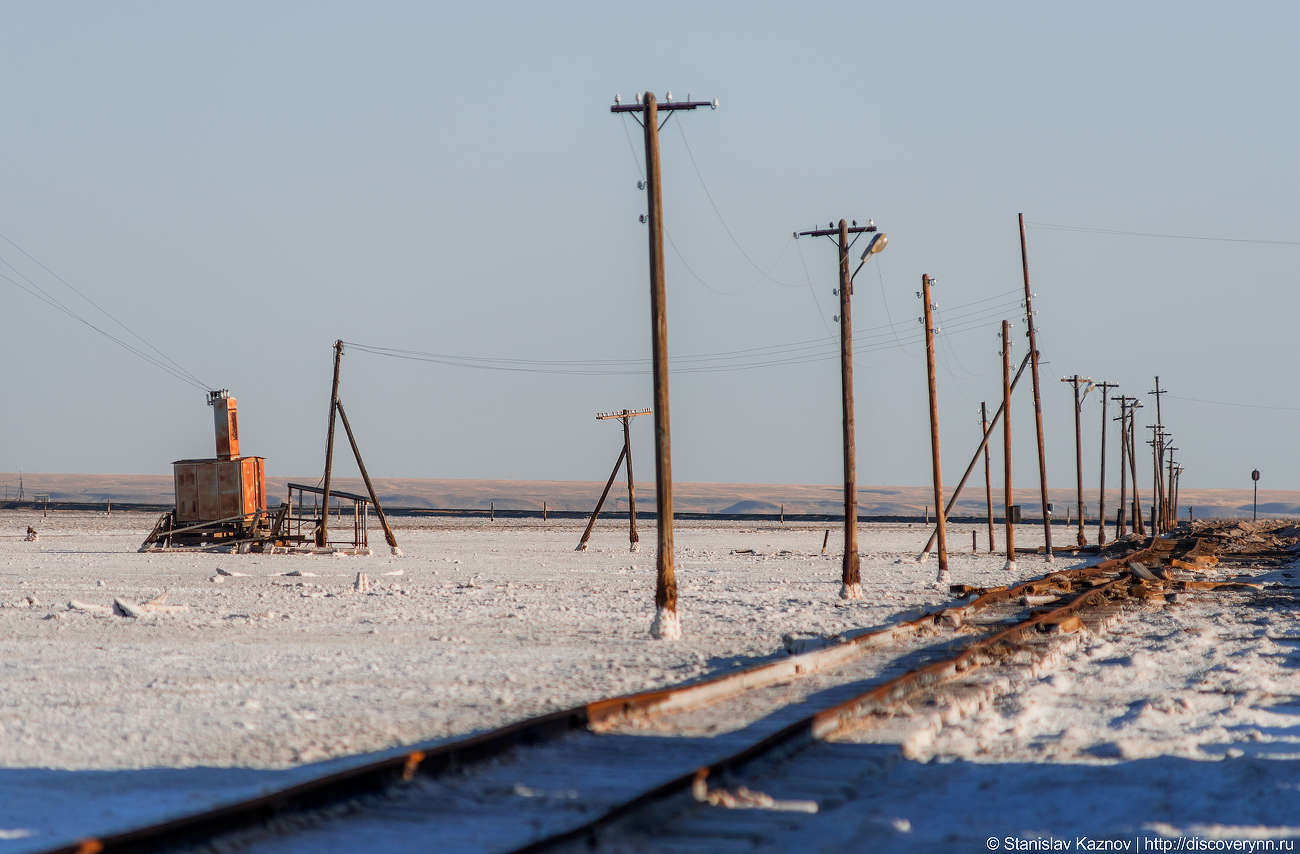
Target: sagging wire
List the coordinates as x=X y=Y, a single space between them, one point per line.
x=49 y=300
x=681 y=130
x=885 y=300
x=189 y=377
x=763 y=274
x=1047 y=226
x=813 y=291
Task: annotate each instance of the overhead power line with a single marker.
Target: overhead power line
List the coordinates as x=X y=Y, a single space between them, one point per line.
x=1047 y=226
x=794 y=353
x=162 y=361
x=1242 y=405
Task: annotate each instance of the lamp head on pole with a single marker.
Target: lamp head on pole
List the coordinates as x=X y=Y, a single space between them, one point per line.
x=877 y=244
x=1254 y=475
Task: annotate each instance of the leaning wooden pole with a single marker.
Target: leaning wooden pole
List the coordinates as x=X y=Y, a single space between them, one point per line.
x=956 y=493
x=370 y=487
x=1006 y=445
x=1038 y=403
x=988 y=480
x=591 y=523
x=322 y=532
x=935 y=467
x=667 y=624
x=635 y=540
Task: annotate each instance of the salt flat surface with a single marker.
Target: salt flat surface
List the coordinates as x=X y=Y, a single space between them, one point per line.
x=109 y=721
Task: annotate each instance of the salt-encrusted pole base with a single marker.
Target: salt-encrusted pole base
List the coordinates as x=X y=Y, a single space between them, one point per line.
x=1011 y=565
x=944 y=578
x=395 y=551
x=582 y=547
x=850 y=591
x=666 y=626
x=923 y=556
x=636 y=547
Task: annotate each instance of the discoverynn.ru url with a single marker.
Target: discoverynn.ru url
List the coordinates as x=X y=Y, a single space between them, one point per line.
x=1142 y=843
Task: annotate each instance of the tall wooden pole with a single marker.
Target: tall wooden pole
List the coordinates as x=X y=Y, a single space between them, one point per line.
x=1006 y=445
x=1038 y=404
x=1101 y=499
x=631 y=486
x=1171 y=511
x=1157 y=480
x=1158 y=457
x=1139 y=526
x=1120 y=524
x=667 y=624
x=935 y=467
x=322 y=532
x=851 y=578
x=988 y=481
x=1078 y=451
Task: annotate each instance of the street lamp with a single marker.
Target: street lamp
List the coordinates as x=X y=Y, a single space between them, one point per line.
x=851 y=587
x=1254 y=511
x=877 y=244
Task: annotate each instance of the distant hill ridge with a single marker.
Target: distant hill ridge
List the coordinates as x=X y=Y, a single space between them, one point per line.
x=580 y=496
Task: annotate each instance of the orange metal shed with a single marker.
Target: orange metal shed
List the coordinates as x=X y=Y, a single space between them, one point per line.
x=209 y=490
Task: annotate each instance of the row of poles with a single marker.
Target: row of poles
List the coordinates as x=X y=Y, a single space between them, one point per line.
x=667 y=623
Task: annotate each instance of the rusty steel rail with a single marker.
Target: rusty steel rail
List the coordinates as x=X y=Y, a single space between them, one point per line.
x=376 y=777
x=688 y=787
x=722 y=687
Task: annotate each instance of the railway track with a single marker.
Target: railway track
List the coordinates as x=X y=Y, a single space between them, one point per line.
x=570 y=779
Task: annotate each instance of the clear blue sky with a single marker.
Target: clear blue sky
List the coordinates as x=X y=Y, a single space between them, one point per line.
x=241 y=184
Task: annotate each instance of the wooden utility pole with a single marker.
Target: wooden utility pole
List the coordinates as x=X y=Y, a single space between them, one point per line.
x=322 y=532
x=1038 y=403
x=944 y=577
x=667 y=624
x=1171 y=509
x=1078 y=449
x=961 y=484
x=634 y=540
x=1101 y=499
x=626 y=454
x=1006 y=445
x=850 y=576
x=1177 y=478
x=988 y=481
x=1158 y=456
x=1134 y=404
x=1157 y=477
x=1121 y=524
